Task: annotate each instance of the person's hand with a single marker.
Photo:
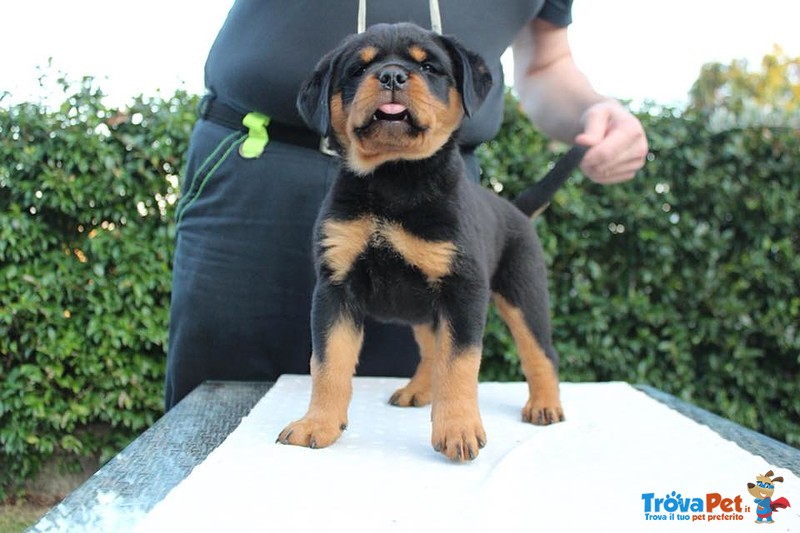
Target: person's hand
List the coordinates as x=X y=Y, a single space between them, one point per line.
x=618 y=145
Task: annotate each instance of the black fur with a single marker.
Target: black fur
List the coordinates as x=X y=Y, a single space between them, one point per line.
x=404 y=236
x=498 y=250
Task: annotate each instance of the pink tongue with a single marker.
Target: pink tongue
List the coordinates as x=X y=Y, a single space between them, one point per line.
x=392 y=109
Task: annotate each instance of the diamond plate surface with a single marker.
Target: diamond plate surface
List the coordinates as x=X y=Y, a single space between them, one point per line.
x=126 y=488
x=776 y=453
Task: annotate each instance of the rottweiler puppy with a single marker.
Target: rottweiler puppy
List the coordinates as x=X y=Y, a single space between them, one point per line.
x=404 y=236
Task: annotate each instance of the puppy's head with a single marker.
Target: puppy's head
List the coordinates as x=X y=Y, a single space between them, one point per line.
x=393 y=92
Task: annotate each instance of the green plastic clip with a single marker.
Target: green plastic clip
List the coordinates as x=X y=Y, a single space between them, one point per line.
x=257 y=137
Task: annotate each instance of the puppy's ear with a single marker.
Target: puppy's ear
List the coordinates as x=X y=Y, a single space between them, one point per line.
x=313 y=100
x=472 y=75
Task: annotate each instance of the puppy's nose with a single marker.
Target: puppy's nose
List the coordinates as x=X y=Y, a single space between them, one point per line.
x=392 y=78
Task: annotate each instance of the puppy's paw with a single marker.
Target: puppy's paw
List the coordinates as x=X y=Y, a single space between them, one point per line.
x=542 y=414
x=412 y=395
x=312 y=432
x=459 y=438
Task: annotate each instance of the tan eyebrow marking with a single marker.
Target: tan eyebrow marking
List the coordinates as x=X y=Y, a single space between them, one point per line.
x=417 y=54
x=368 y=54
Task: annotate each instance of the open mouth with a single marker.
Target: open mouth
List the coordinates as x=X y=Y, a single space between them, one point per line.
x=393 y=118
x=392 y=113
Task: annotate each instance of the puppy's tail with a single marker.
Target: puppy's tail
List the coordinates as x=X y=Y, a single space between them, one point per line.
x=535 y=199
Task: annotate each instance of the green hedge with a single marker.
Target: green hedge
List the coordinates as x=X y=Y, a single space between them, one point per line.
x=685 y=278
x=86 y=238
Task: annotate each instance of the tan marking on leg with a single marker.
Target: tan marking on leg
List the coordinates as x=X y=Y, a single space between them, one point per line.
x=544 y=405
x=417 y=53
x=457 y=428
x=433 y=258
x=418 y=391
x=331 y=389
x=343 y=241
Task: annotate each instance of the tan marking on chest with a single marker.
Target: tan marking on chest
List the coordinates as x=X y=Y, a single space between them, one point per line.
x=342 y=242
x=433 y=258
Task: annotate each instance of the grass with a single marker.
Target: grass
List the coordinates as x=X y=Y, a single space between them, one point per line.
x=29 y=502
x=16 y=517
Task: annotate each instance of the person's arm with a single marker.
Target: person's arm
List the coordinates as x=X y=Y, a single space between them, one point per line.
x=561 y=102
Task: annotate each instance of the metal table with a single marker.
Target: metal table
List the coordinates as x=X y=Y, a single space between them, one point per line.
x=143 y=473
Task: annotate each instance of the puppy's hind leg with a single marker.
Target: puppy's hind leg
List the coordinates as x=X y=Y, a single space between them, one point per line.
x=418 y=391
x=520 y=295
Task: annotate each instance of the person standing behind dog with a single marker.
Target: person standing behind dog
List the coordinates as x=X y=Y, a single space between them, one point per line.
x=243 y=271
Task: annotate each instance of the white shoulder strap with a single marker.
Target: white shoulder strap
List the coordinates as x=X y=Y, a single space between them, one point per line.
x=436 y=17
x=433 y=6
x=362 y=15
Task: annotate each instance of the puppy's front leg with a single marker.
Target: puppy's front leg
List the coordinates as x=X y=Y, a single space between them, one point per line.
x=337 y=337
x=457 y=428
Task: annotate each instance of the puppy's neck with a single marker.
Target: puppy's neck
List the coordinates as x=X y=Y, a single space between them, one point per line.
x=414 y=179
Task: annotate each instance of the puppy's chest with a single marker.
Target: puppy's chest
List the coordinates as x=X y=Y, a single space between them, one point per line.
x=384 y=251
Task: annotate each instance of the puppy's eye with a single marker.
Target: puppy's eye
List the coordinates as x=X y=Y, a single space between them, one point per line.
x=429 y=68
x=358 y=71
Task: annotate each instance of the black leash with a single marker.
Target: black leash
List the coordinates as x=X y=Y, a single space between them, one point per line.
x=535 y=199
